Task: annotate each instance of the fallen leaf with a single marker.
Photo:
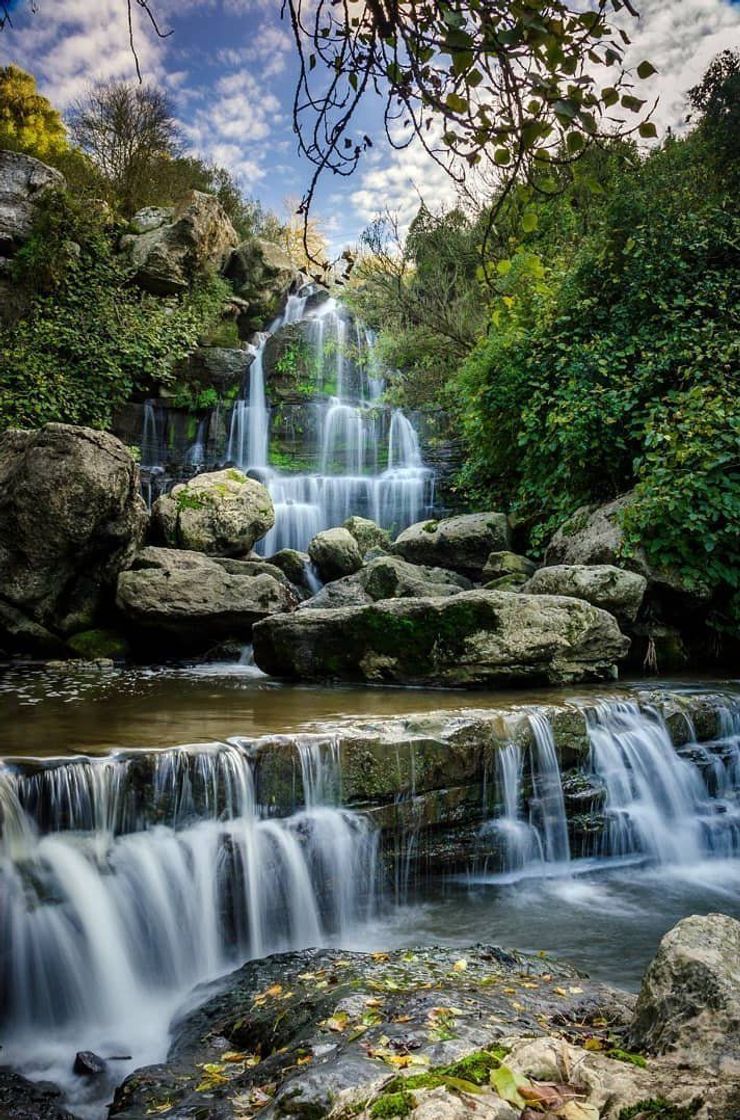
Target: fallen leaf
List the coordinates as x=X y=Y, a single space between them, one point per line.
x=460 y=966
x=507 y=1084
x=593 y=1044
x=578 y=1110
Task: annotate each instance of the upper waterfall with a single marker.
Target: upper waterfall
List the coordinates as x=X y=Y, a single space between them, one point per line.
x=368 y=457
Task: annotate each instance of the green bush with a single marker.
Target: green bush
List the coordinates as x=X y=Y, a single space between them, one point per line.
x=88 y=338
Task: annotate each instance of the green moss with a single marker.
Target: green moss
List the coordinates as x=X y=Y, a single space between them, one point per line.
x=186 y=500
x=626 y=1056
x=430 y=526
x=476 y=1067
x=225 y=334
x=237 y=476
x=392 y=1104
x=94 y=644
x=657 y=1108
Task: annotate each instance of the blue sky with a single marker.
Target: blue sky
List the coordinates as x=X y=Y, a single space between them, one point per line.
x=230 y=69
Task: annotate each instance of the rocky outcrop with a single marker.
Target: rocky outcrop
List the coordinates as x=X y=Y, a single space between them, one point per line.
x=71 y=517
x=613 y=589
x=262 y=274
x=21 y=1099
x=222 y=514
x=474 y=638
x=185 y=600
x=594 y=536
x=388 y=577
x=169 y=248
x=689 y=1003
x=23 y=181
x=335 y=553
x=462 y=544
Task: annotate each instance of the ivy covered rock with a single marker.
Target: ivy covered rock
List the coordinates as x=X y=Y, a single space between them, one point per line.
x=223 y=513
x=178 y=599
x=71 y=517
x=168 y=254
x=474 y=638
x=613 y=589
x=335 y=553
x=462 y=544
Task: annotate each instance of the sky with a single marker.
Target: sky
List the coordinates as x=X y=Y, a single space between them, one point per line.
x=229 y=67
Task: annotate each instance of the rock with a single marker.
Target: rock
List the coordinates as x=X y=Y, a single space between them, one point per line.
x=335 y=553
x=613 y=589
x=473 y=638
x=21 y=1099
x=346 y=592
x=389 y=577
x=262 y=274
x=88 y=1064
x=92 y=645
x=219 y=367
x=462 y=544
x=167 y=255
x=186 y=598
x=223 y=513
x=23 y=181
x=689 y=1003
x=508 y=564
x=71 y=517
x=294 y=566
x=593 y=535
x=367 y=534
x=150 y=218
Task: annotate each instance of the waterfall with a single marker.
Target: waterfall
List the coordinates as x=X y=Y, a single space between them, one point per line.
x=196 y=455
x=152 y=437
x=348 y=480
x=671 y=807
x=122 y=892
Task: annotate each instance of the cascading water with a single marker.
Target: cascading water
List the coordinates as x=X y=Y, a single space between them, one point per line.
x=119 y=898
x=351 y=426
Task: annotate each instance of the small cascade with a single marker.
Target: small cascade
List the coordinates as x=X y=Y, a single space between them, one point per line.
x=152 y=437
x=355 y=438
x=196 y=453
x=125 y=887
x=672 y=807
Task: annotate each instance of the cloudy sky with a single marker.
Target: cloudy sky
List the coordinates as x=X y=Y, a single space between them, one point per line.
x=230 y=69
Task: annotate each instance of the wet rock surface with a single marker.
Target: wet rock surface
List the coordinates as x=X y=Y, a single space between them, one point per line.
x=21 y=1099
x=475 y=637
x=431 y=1032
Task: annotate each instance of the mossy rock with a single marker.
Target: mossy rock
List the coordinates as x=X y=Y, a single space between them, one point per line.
x=95 y=645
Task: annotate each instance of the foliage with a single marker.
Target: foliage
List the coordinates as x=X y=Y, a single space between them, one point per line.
x=506 y=84
x=28 y=122
x=90 y=338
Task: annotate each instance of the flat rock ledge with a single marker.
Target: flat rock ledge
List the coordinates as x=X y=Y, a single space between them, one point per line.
x=474 y=638
x=425 y=1032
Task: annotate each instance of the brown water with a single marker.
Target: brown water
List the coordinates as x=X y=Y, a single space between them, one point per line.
x=52 y=711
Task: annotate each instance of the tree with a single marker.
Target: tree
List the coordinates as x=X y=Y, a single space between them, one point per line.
x=28 y=122
x=503 y=82
x=125 y=129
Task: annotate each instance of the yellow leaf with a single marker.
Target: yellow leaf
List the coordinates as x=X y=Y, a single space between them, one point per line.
x=460 y=966
x=560 y=991
x=593 y=1044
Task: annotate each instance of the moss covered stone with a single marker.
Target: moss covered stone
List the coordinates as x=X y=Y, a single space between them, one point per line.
x=93 y=645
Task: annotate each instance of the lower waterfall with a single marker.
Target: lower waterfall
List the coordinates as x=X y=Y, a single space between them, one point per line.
x=129 y=879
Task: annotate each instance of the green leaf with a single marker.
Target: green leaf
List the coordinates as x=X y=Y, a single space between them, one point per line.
x=645 y=69
x=507 y=1084
x=456 y=103
x=530 y=221
x=502 y=156
x=648 y=130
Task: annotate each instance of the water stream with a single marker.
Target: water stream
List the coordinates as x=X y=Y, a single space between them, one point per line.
x=128 y=878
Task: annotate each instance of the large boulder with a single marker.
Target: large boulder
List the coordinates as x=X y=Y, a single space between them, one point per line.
x=23 y=181
x=507 y=571
x=474 y=638
x=387 y=577
x=223 y=513
x=71 y=517
x=367 y=533
x=613 y=589
x=335 y=553
x=188 y=600
x=173 y=247
x=462 y=544
x=262 y=274
x=689 y=1003
x=594 y=535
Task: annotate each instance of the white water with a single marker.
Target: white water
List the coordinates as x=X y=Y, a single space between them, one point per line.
x=351 y=430
x=112 y=918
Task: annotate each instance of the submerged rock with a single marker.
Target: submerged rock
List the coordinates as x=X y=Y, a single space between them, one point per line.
x=473 y=638
x=223 y=513
x=71 y=517
x=462 y=544
x=335 y=553
x=182 y=599
x=689 y=1003
x=613 y=589
x=167 y=250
